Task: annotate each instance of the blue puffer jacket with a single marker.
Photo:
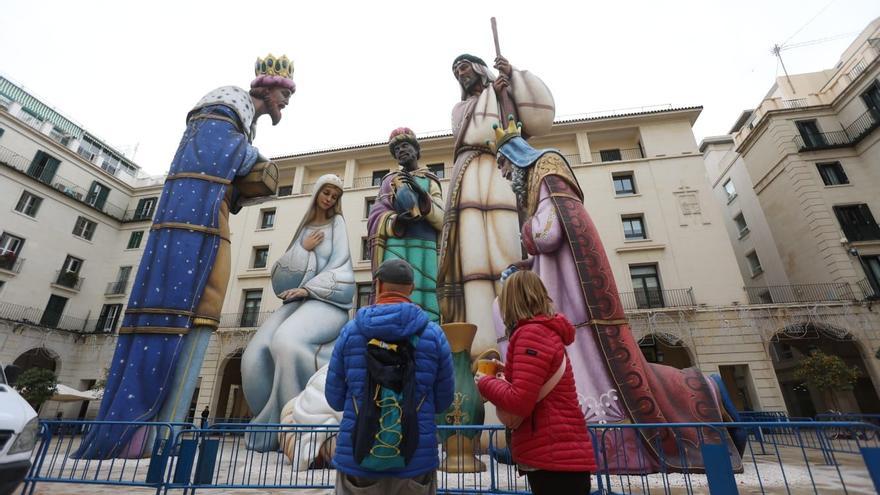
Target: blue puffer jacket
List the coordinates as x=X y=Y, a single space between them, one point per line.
x=347 y=375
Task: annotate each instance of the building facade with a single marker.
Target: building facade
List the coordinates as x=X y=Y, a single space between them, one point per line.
x=645 y=185
x=798 y=183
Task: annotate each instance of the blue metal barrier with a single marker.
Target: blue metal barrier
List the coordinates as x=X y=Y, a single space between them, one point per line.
x=793 y=457
x=52 y=460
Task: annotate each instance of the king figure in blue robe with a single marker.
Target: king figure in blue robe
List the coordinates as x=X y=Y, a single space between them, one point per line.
x=178 y=293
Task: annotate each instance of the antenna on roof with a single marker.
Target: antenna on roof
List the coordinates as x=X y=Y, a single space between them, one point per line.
x=776 y=50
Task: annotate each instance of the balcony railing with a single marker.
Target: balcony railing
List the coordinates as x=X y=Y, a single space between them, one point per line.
x=795 y=103
x=822 y=141
x=658 y=298
x=136 y=215
x=868 y=290
x=800 y=293
x=850 y=136
x=11 y=263
x=247 y=319
x=622 y=154
x=363 y=182
x=863 y=125
x=39 y=317
x=116 y=288
x=20 y=163
x=68 y=279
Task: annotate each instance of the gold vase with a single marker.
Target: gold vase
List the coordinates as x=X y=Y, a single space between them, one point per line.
x=467 y=405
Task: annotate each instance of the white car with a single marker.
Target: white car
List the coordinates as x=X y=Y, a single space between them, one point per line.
x=19 y=428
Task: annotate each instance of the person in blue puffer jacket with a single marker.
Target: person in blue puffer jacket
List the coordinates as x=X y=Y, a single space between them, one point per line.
x=392 y=319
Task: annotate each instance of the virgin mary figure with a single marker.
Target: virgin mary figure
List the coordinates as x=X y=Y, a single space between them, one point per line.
x=315 y=280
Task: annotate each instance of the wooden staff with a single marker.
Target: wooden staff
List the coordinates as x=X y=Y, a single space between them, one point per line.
x=505 y=99
x=508 y=108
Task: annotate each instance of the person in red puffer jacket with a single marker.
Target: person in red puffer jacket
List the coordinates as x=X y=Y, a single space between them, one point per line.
x=551 y=445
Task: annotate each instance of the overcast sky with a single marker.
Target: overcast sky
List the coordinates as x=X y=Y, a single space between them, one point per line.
x=129 y=71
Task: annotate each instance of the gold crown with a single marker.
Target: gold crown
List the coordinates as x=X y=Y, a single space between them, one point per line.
x=514 y=129
x=274 y=66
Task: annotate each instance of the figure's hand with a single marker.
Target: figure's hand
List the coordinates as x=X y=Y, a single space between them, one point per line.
x=478 y=375
x=503 y=66
x=510 y=270
x=406 y=217
x=312 y=240
x=501 y=84
x=293 y=294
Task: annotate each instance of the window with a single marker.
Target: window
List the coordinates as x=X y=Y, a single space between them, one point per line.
x=144 y=209
x=871 y=265
x=741 y=226
x=624 y=183
x=97 y=195
x=364 y=292
x=285 y=191
x=634 y=228
x=2 y=131
x=438 y=169
x=250 y=315
x=871 y=97
x=368 y=206
x=267 y=218
x=10 y=244
x=109 y=163
x=10 y=249
x=378 y=175
x=109 y=318
x=28 y=204
x=118 y=287
x=809 y=131
x=754 y=263
x=84 y=228
x=612 y=155
x=54 y=309
x=88 y=149
x=365 y=249
x=730 y=190
x=857 y=222
x=261 y=256
x=72 y=264
x=134 y=240
x=43 y=167
x=646 y=286
x=832 y=173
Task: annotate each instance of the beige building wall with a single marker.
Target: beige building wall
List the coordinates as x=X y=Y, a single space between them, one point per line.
x=780 y=191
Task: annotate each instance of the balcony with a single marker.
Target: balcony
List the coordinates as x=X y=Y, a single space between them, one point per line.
x=363 y=182
x=616 y=155
x=20 y=163
x=247 y=319
x=39 y=317
x=10 y=262
x=68 y=279
x=850 y=136
x=658 y=298
x=800 y=293
x=868 y=291
x=136 y=215
x=116 y=288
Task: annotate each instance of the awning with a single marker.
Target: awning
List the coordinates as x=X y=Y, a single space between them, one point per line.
x=63 y=393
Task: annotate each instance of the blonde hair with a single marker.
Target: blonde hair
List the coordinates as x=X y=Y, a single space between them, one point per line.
x=523 y=296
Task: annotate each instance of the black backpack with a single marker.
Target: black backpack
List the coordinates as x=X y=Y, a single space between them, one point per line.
x=386 y=432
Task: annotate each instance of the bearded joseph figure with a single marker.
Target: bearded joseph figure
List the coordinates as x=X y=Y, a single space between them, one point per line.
x=615 y=383
x=177 y=295
x=481 y=224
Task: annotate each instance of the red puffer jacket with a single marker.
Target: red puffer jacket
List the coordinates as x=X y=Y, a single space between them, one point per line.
x=553 y=435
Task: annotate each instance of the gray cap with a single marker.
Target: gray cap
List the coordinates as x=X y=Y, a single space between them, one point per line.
x=395 y=271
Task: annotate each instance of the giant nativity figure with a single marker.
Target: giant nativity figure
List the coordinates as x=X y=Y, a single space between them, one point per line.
x=181 y=282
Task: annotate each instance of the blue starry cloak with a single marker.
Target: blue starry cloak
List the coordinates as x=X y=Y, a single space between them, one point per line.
x=177 y=262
